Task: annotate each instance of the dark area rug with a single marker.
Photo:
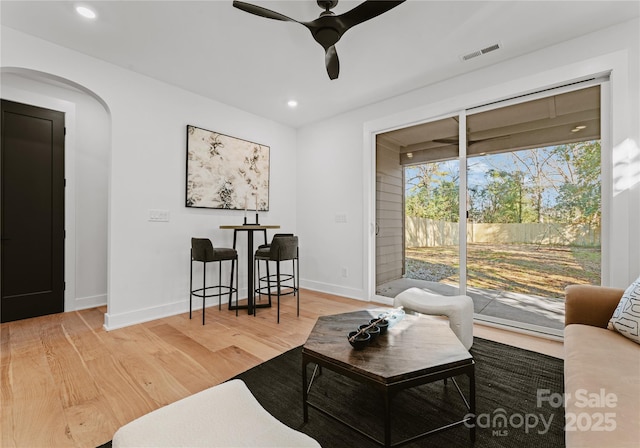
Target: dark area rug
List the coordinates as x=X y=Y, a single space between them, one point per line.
x=508 y=383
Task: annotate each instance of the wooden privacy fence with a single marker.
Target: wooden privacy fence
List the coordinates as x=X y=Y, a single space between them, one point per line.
x=423 y=232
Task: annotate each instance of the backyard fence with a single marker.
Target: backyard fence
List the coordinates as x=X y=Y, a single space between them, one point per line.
x=423 y=232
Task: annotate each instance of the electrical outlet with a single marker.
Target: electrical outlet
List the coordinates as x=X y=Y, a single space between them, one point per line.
x=345 y=272
x=159 y=215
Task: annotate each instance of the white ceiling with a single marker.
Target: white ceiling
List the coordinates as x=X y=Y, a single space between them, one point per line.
x=257 y=64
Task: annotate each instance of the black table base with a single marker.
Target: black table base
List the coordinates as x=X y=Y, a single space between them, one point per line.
x=389 y=392
x=250 y=306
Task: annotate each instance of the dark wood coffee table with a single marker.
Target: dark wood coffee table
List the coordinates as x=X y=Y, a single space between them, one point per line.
x=417 y=350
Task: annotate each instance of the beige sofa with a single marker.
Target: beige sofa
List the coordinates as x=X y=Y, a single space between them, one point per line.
x=601 y=373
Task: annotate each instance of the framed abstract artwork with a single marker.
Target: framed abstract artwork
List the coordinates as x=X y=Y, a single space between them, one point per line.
x=226 y=172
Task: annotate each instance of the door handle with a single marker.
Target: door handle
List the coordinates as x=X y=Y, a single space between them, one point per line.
x=377 y=229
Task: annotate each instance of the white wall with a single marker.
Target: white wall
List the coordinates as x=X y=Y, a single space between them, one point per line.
x=148 y=269
x=86 y=155
x=148 y=263
x=338 y=172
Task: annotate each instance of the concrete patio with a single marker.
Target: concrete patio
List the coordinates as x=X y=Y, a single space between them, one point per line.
x=543 y=314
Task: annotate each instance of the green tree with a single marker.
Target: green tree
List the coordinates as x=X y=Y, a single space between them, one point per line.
x=556 y=183
x=579 y=196
x=434 y=192
x=535 y=165
x=443 y=204
x=506 y=198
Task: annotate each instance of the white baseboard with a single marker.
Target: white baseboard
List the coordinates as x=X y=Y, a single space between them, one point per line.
x=383 y=300
x=115 y=321
x=83 y=303
x=338 y=290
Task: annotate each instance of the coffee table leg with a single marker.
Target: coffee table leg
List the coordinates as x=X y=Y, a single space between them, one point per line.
x=387 y=419
x=472 y=402
x=305 y=408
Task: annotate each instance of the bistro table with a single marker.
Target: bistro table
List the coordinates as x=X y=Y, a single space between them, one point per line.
x=250 y=229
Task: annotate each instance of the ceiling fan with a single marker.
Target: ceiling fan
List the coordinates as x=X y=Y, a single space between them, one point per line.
x=328 y=28
x=470 y=141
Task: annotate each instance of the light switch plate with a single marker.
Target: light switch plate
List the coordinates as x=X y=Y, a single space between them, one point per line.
x=159 y=215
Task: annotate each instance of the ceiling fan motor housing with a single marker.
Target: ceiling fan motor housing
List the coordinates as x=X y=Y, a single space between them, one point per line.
x=327 y=35
x=327 y=4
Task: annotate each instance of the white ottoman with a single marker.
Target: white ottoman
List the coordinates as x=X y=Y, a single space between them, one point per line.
x=226 y=415
x=459 y=310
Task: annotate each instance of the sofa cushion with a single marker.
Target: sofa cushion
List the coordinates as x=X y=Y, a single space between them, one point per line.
x=626 y=317
x=601 y=363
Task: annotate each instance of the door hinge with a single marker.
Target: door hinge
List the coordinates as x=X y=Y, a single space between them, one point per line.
x=65 y=182
x=65 y=131
x=64 y=233
x=64 y=286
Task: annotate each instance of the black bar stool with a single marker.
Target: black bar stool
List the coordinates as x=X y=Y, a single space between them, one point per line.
x=202 y=250
x=283 y=247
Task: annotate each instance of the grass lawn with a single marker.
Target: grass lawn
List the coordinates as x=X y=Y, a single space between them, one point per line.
x=525 y=268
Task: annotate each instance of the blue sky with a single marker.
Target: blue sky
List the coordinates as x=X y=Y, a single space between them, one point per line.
x=478 y=167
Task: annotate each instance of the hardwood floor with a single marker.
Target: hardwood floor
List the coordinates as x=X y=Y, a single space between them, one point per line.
x=66 y=382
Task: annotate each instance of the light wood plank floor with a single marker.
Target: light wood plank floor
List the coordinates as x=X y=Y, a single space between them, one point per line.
x=66 y=382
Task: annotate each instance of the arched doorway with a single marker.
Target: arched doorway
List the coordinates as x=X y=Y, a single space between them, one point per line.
x=87 y=154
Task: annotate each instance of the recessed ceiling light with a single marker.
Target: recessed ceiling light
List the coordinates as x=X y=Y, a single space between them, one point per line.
x=292 y=103
x=86 y=12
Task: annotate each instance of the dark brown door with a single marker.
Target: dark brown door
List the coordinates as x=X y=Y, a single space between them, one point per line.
x=32 y=211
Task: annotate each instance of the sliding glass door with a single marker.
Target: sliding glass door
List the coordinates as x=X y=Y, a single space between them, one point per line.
x=432 y=236
x=523 y=183
x=417 y=209
x=534 y=206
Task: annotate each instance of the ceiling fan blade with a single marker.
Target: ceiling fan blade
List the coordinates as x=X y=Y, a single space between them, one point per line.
x=455 y=141
x=365 y=11
x=448 y=141
x=262 y=12
x=332 y=62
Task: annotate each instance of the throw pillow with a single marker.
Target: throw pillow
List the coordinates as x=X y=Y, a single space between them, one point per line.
x=626 y=317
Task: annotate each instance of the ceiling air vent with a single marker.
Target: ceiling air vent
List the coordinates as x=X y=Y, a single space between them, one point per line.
x=480 y=52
